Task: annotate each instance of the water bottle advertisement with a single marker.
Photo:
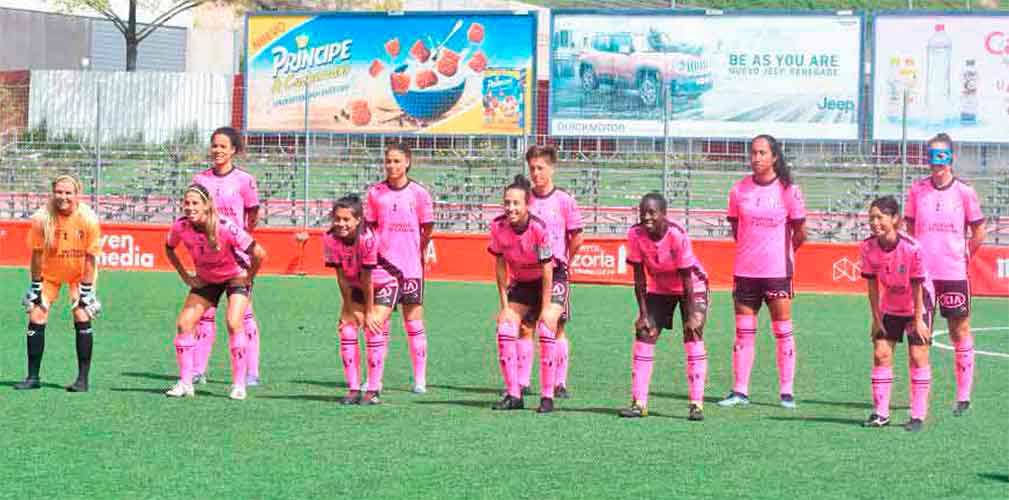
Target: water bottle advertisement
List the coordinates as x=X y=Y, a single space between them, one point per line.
x=649 y=73
x=421 y=73
x=952 y=72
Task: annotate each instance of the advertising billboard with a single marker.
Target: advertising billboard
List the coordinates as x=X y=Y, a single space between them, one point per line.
x=953 y=71
x=414 y=73
x=696 y=75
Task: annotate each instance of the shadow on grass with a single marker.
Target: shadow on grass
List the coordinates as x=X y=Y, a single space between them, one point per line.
x=45 y=385
x=161 y=392
x=1000 y=478
x=820 y=420
x=308 y=397
x=150 y=376
x=474 y=390
x=461 y=402
x=685 y=397
x=322 y=383
x=848 y=404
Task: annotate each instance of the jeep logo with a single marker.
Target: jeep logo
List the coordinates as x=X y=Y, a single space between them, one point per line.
x=845 y=105
x=952 y=300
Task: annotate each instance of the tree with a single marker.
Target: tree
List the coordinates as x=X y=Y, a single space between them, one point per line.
x=128 y=25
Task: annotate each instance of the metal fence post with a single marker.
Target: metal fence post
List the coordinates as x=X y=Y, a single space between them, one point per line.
x=98 y=147
x=903 y=146
x=307 y=157
x=665 y=140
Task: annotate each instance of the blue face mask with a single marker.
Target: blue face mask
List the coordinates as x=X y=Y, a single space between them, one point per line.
x=938 y=156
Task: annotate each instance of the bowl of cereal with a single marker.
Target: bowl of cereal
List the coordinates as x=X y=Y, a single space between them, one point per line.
x=421 y=93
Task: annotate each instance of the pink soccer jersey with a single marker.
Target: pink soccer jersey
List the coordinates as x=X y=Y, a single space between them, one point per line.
x=941 y=217
x=895 y=269
x=763 y=246
x=398 y=215
x=361 y=254
x=525 y=252
x=665 y=258
x=234 y=193
x=560 y=212
x=213 y=266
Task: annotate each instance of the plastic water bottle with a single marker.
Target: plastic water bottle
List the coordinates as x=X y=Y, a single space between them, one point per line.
x=938 y=88
x=968 y=94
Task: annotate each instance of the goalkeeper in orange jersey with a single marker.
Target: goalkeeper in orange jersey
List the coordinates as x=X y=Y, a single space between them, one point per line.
x=65 y=241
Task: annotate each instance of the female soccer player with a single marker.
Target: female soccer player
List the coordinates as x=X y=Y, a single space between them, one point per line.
x=226 y=259
x=369 y=291
x=65 y=240
x=674 y=277
x=236 y=198
x=559 y=210
x=939 y=209
x=530 y=289
x=402 y=213
x=767 y=214
x=900 y=301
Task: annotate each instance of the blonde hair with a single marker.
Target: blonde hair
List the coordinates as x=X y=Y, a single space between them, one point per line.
x=47 y=215
x=212 y=219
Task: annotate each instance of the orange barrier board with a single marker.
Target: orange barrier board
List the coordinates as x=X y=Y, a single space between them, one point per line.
x=820 y=267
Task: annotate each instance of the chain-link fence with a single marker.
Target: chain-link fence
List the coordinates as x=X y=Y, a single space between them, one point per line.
x=135 y=163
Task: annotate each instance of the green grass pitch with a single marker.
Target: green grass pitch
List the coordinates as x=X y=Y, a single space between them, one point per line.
x=292 y=439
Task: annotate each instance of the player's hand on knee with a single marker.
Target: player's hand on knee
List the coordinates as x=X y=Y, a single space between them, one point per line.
x=643 y=325
x=88 y=301
x=33 y=298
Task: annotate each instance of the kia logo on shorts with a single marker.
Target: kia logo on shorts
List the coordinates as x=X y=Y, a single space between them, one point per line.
x=410 y=286
x=952 y=300
x=560 y=288
x=384 y=292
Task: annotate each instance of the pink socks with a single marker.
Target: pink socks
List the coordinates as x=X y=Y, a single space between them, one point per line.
x=418 y=350
x=184 y=350
x=561 y=377
x=786 y=355
x=882 y=383
x=376 y=349
x=697 y=370
x=742 y=352
x=252 y=346
x=641 y=371
x=525 y=360
x=508 y=357
x=964 y=367
x=206 y=333
x=239 y=359
x=921 y=383
x=350 y=355
x=547 y=363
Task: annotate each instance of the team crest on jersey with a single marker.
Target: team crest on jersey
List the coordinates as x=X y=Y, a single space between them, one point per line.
x=952 y=300
x=902 y=269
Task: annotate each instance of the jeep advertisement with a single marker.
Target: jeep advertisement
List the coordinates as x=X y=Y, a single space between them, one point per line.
x=690 y=75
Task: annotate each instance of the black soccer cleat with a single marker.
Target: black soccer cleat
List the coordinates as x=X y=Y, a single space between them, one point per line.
x=561 y=392
x=370 y=398
x=696 y=413
x=526 y=390
x=352 y=398
x=28 y=384
x=509 y=403
x=914 y=425
x=79 y=385
x=546 y=405
x=876 y=421
x=961 y=408
x=636 y=410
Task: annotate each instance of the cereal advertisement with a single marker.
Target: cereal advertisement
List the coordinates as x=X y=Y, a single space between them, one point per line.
x=419 y=73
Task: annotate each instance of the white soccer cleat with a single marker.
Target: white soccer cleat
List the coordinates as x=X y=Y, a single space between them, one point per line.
x=237 y=393
x=199 y=378
x=180 y=390
x=419 y=389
